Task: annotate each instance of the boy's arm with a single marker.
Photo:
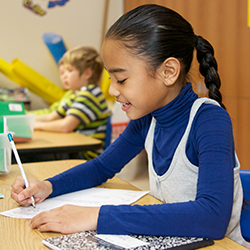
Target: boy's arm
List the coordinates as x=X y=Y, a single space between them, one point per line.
x=64 y=125
x=48 y=117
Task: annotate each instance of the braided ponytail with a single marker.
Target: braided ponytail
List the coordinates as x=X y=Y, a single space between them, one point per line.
x=208 y=68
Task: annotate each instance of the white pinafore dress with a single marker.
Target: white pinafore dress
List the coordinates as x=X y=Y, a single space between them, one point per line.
x=179 y=183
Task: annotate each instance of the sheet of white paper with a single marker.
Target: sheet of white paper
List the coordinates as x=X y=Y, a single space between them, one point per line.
x=93 y=197
x=124 y=241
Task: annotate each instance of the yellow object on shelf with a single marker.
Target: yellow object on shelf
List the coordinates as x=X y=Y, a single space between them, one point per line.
x=36 y=82
x=25 y=76
x=7 y=70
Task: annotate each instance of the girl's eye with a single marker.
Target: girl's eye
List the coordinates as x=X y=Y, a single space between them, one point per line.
x=122 y=81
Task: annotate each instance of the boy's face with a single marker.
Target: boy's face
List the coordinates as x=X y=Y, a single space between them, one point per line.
x=70 y=77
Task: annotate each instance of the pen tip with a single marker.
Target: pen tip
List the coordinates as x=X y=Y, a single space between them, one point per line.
x=33 y=203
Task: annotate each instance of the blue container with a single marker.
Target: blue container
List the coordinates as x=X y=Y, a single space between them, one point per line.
x=55 y=45
x=245 y=213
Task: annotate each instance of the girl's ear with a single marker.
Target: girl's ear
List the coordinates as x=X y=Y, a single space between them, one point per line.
x=170 y=70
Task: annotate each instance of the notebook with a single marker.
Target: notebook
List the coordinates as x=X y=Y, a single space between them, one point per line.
x=5 y=149
x=92 y=240
x=16 y=121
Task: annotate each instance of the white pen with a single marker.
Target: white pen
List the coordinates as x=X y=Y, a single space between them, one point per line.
x=20 y=165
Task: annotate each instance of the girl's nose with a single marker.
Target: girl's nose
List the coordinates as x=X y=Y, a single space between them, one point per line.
x=113 y=90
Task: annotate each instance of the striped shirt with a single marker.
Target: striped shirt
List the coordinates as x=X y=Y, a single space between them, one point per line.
x=90 y=107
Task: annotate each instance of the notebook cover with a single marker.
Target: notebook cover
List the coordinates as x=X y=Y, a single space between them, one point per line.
x=22 y=126
x=11 y=108
x=88 y=240
x=5 y=148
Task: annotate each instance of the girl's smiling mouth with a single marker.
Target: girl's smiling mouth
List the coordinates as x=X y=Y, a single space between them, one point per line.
x=124 y=105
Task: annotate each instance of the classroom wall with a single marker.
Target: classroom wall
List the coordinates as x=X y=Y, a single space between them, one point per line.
x=79 y=22
x=225 y=24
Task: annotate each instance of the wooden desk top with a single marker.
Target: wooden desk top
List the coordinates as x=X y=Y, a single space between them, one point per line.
x=44 y=141
x=16 y=233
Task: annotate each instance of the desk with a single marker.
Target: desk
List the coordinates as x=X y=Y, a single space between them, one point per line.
x=16 y=233
x=53 y=142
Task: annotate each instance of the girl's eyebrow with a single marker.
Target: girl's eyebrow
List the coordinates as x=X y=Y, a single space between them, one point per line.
x=116 y=70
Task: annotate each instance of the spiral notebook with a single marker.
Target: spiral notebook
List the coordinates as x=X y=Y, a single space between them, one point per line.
x=91 y=240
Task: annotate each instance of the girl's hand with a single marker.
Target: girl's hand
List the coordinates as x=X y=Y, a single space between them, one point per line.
x=66 y=219
x=39 y=189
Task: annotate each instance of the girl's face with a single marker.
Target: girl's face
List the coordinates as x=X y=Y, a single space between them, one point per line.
x=133 y=87
x=70 y=77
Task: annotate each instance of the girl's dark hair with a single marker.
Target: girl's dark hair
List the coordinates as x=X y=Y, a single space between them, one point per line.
x=157 y=33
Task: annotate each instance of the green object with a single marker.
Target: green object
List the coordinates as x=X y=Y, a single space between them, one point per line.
x=5 y=149
x=2 y=161
x=21 y=125
x=11 y=108
x=1 y=125
x=14 y=119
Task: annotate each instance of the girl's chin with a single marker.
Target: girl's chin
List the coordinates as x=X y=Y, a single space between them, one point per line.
x=132 y=116
x=129 y=110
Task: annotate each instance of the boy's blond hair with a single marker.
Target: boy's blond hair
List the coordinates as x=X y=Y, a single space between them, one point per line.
x=84 y=57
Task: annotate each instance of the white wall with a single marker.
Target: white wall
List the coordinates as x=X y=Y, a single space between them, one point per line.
x=79 y=22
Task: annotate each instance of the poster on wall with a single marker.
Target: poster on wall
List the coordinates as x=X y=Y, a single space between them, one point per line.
x=39 y=8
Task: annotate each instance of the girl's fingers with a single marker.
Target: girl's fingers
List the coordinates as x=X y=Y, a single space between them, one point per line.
x=48 y=227
x=66 y=219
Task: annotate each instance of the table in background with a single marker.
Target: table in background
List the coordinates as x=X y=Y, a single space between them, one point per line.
x=16 y=233
x=44 y=142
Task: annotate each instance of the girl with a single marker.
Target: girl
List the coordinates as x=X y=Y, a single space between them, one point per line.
x=189 y=141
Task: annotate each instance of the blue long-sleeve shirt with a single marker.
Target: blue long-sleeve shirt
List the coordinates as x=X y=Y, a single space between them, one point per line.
x=210 y=147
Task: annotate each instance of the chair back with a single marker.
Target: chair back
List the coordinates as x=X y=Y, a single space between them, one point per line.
x=108 y=133
x=245 y=213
